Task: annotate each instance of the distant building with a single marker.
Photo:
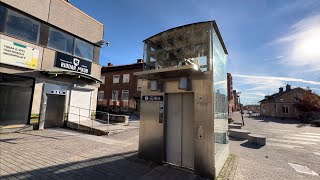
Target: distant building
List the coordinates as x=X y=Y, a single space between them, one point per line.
x=120 y=91
x=281 y=104
x=231 y=97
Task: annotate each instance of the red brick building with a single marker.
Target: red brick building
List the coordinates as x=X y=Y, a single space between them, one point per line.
x=120 y=91
x=231 y=97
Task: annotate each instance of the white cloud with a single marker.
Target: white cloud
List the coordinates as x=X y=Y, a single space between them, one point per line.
x=275 y=79
x=301 y=45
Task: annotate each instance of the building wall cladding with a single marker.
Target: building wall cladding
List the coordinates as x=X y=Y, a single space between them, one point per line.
x=62 y=15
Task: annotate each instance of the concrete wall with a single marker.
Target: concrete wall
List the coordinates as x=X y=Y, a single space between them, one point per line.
x=75 y=21
x=36 y=8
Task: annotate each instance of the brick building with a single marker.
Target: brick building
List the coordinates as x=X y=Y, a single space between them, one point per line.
x=231 y=99
x=120 y=91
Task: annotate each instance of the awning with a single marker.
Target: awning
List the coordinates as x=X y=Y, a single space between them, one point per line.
x=72 y=73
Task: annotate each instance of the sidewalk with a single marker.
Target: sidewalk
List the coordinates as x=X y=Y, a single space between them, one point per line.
x=64 y=154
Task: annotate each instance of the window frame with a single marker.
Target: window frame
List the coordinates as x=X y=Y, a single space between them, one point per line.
x=99 y=93
x=285 y=109
x=112 y=95
x=73 y=41
x=27 y=17
x=74 y=49
x=139 y=85
x=124 y=91
x=114 y=81
x=123 y=78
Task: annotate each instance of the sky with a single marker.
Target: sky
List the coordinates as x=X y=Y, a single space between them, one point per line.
x=270 y=43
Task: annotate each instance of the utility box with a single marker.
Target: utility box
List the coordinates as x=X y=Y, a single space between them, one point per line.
x=183 y=118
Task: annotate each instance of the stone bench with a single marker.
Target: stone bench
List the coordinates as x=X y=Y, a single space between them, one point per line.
x=234 y=126
x=238 y=123
x=239 y=133
x=256 y=139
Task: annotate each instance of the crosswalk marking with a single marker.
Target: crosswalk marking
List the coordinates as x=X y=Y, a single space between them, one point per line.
x=316 y=153
x=315 y=134
x=302 y=138
x=291 y=141
x=283 y=145
x=307 y=136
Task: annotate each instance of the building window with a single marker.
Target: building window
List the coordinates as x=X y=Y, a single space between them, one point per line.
x=83 y=49
x=285 y=109
x=126 y=78
x=139 y=84
x=22 y=26
x=2 y=16
x=116 y=79
x=115 y=95
x=60 y=41
x=103 y=78
x=100 y=95
x=125 y=95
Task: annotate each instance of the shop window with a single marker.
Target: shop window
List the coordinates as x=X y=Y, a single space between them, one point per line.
x=126 y=78
x=22 y=26
x=2 y=16
x=103 y=78
x=116 y=79
x=125 y=95
x=285 y=109
x=100 y=95
x=139 y=84
x=60 y=41
x=115 y=95
x=83 y=49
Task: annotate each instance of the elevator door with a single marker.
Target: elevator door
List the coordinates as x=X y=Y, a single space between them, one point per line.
x=54 y=111
x=179 y=137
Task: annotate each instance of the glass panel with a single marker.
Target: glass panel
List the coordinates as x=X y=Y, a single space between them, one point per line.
x=220 y=98
x=100 y=95
x=115 y=95
x=22 y=27
x=116 y=78
x=60 y=41
x=185 y=45
x=125 y=95
x=2 y=16
x=83 y=49
x=126 y=78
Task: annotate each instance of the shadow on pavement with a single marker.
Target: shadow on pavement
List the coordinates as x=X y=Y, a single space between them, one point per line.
x=252 y=146
x=117 y=166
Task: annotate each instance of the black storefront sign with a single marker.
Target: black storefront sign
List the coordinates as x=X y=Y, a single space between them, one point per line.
x=152 y=98
x=71 y=63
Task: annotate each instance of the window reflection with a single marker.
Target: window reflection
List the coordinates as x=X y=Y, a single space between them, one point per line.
x=185 y=45
x=23 y=27
x=60 y=41
x=83 y=49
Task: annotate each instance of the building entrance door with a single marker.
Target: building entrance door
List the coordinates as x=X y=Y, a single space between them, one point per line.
x=179 y=130
x=54 y=111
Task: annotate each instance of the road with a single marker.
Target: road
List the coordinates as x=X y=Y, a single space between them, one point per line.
x=289 y=143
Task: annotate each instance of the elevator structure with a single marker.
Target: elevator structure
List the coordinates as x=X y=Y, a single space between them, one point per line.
x=183 y=120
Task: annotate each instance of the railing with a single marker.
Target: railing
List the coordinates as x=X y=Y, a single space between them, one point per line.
x=84 y=115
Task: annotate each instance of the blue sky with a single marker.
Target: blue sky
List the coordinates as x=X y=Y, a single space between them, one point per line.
x=271 y=43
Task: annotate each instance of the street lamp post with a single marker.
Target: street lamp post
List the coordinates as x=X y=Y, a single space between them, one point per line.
x=241 y=111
